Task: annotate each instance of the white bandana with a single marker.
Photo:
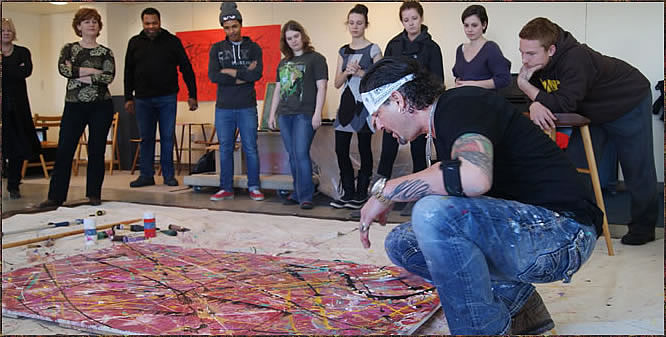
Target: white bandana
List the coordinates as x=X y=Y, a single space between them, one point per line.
x=376 y=97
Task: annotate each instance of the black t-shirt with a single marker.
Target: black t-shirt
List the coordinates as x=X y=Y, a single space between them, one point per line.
x=527 y=167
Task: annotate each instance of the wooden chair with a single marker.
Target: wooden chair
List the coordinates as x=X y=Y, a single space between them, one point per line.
x=43 y=122
x=576 y=120
x=137 y=141
x=115 y=152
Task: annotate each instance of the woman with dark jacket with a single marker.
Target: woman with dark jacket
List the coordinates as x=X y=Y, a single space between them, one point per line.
x=415 y=43
x=19 y=140
x=89 y=68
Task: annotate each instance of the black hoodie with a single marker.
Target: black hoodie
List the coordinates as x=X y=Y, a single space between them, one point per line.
x=226 y=54
x=581 y=80
x=423 y=49
x=150 y=66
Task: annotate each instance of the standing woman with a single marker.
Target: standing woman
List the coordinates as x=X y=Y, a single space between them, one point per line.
x=480 y=62
x=353 y=60
x=89 y=68
x=19 y=140
x=298 y=100
x=415 y=43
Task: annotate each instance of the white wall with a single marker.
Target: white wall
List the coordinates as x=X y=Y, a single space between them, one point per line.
x=630 y=31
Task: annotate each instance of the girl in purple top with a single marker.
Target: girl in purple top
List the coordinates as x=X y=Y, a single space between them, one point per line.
x=480 y=62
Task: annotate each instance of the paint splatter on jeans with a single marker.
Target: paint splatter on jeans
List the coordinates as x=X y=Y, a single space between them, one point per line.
x=484 y=253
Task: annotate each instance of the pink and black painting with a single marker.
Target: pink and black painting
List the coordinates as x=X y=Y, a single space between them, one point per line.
x=144 y=288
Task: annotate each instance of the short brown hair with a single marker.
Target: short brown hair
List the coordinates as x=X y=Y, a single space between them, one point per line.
x=410 y=4
x=84 y=14
x=296 y=27
x=540 y=29
x=11 y=26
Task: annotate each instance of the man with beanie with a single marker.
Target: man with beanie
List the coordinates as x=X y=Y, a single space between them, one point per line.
x=150 y=74
x=561 y=75
x=235 y=63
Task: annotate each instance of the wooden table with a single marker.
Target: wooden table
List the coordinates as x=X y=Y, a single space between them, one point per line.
x=189 y=147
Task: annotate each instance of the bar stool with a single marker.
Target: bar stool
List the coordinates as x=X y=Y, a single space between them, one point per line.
x=576 y=120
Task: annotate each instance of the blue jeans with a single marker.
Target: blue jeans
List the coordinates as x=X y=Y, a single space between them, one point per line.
x=482 y=254
x=149 y=111
x=226 y=122
x=631 y=136
x=297 y=134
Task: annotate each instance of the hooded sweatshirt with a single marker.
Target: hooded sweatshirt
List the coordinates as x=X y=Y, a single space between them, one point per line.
x=239 y=56
x=423 y=49
x=150 y=66
x=581 y=80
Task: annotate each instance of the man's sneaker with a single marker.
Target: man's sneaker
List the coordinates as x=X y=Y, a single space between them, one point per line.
x=143 y=181
x=289 y=200
x=49 y=204
x=637 y=239
x=222 y=195
x=533 y=318
x=256 y=195
x=171 y=181
x=306 y=205
x=95 y=201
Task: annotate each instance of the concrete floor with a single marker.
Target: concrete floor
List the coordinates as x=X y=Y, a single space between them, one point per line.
x=607 y=299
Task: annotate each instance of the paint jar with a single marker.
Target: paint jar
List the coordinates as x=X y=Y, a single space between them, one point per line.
x=90 y=231
x=148 y=225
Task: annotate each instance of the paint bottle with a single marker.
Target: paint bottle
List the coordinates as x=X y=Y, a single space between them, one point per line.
x=90 y=231
x=148 y=225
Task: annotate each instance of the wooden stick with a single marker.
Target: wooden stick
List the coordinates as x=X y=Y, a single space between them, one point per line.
x=62 y=235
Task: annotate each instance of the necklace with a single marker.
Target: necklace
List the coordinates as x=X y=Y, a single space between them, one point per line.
x=431 y=115
x=9 y=50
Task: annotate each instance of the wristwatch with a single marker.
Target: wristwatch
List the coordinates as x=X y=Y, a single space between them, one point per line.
x=377 y=191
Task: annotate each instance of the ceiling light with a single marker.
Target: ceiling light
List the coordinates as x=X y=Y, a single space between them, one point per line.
x=58 y=3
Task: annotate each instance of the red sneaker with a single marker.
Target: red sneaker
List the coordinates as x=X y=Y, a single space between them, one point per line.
x=256 y=195
x=222 y=195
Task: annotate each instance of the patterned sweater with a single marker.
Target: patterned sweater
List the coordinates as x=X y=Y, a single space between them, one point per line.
x=72 y=57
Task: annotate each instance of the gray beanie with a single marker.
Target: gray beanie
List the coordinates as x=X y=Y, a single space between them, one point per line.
x=228 y=12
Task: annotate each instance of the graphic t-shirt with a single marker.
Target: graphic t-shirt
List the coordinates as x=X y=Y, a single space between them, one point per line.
x=298 y=78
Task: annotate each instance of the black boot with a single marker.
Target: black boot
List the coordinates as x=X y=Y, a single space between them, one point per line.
x=347 y=182
x=362 y=185
x=533 y=318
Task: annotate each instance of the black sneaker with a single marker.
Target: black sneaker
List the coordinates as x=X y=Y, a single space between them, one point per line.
x=353 y=204
x=306 y=205
x=143 y=181
x=49 y=204
x=14 y=194
x=171 y=181
x=533 y=318
x=337 y=203
x=289 y=200
x=95 y=201
x=637 y=239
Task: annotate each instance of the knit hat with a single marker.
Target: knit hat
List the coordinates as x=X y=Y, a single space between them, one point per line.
x=228 y=12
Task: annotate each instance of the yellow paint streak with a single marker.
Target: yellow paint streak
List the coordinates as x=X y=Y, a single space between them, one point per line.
x=322 y=311
x=288 y=308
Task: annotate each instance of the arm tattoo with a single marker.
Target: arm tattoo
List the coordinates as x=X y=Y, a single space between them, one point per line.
x=475 y=148
x=410 y=190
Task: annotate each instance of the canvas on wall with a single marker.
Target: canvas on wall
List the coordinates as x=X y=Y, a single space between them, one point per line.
x=197 y=46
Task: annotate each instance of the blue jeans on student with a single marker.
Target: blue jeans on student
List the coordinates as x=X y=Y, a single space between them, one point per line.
x=150 y=111
x=482 y=254
x=297 y=134
x=226 y=122
x=631 y=136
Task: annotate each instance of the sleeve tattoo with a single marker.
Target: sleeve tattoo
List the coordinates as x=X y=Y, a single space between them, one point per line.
x=475 y=148
x=410 y=190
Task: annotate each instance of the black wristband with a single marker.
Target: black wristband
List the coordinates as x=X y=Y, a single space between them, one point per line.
x=451 y=175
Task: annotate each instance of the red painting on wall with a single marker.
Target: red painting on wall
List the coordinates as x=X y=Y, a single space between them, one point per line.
x=197 y=45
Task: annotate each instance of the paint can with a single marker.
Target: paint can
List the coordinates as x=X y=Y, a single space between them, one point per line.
x=90 y=231
x=149 y=225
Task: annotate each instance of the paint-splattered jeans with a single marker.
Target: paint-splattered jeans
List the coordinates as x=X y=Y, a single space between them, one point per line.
x=482 y=254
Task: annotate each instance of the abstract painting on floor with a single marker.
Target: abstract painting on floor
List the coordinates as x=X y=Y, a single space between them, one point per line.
x=155 y=289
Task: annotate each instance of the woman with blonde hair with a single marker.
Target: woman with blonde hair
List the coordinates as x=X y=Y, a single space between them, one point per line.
x=19 y=140
x=298 y=100
x=89 y=68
